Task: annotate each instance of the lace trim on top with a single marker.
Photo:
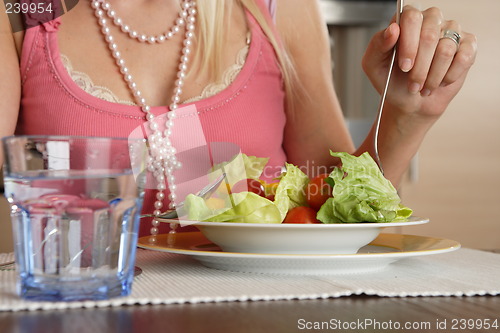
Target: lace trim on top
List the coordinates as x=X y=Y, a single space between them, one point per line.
x=84 y=81
x=228 y=77
x=86 y=84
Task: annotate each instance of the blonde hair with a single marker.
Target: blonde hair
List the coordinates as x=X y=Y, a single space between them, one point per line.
x=212 y=20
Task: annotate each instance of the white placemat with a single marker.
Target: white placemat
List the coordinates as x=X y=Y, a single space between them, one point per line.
x=171 y=278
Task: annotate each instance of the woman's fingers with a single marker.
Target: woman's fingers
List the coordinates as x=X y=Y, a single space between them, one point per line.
x=409 y=41
x=429 y=52
x=462 y=60
x=444 y=54
x=427 y=40
x=378 y=53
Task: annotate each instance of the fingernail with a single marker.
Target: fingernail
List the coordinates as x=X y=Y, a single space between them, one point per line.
x=414 y=88
x=388 y=32
x=425 y=92
x=406 y=65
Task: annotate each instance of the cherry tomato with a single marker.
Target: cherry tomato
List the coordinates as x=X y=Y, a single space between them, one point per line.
x=250 y=185
x=301 y=214
x=318 y=191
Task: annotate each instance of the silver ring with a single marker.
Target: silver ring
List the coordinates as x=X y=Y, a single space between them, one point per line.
x=453 y=35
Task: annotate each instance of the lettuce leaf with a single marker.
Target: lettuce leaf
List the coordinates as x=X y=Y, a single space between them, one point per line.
x=361 y=194
x=290 y=192
x=240 y=167
x=243 y=207
x=248 y=207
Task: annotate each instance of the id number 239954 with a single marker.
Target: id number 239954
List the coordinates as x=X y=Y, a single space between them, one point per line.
x=474 y=324
x=31 y=8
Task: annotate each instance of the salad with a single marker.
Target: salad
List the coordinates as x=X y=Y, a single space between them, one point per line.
x=354 y=192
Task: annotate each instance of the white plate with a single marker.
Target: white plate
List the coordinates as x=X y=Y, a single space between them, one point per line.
x=384 y=250
x=292 y=238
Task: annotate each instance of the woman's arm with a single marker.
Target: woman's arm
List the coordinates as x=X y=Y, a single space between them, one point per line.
x=315 y=123
x=435 y=67
x=10 y=80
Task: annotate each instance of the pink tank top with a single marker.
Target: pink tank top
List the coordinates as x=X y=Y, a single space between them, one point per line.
x=249 y=112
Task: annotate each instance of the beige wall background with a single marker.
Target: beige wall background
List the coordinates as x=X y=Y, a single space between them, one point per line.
x=459 y=162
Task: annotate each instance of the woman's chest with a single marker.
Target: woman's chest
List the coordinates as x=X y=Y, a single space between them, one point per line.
x=154 y=67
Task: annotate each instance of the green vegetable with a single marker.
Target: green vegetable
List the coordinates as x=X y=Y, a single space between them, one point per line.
x=243 y=207
x=248 y=207
x=290 y=192
x=240 y=167
x=361 y=194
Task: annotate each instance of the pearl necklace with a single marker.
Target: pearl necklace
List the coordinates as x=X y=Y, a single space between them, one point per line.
x=143 y=38
x=162 y=160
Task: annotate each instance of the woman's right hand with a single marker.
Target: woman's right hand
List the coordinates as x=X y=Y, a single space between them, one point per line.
x=432 y=69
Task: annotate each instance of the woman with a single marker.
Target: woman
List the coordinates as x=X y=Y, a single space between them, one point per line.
x=279 y=102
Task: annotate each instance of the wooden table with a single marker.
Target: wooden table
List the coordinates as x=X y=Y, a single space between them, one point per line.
x=422 y=313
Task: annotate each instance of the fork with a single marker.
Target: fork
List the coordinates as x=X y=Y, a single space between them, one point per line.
x=399 y=10
x=204 y=193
